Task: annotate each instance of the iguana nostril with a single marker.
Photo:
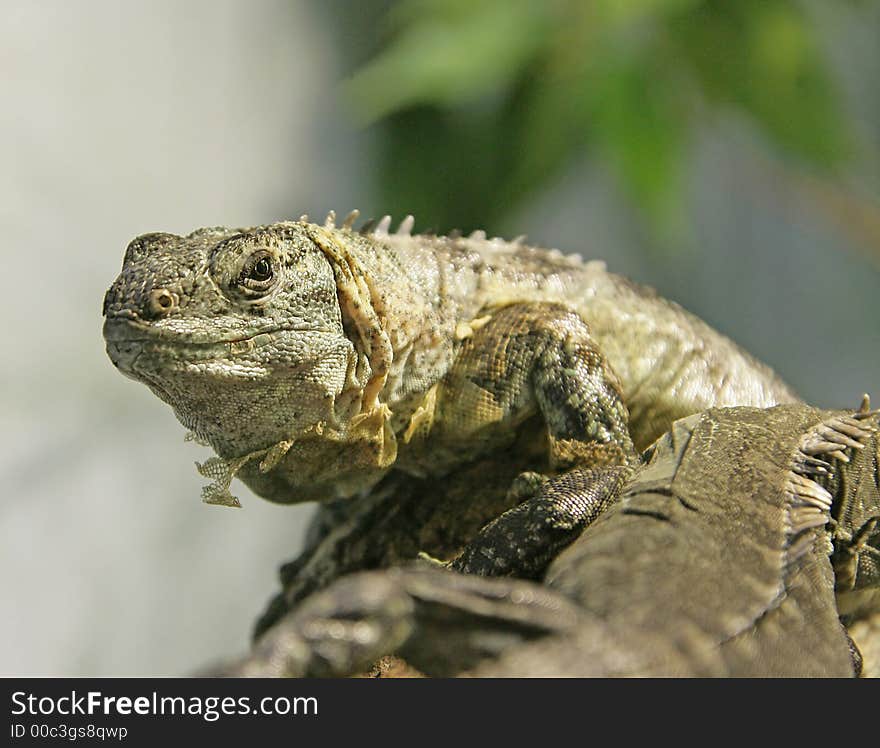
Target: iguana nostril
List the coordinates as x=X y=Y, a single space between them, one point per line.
x=162 y=302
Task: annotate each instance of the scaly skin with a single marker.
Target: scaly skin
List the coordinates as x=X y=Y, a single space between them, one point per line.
x=722 y=557
x=314 y=359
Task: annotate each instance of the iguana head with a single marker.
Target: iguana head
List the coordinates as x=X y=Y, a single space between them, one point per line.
x=248 y=334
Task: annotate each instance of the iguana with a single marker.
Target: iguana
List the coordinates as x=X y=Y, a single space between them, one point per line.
x=721 y=557
x=314 y=359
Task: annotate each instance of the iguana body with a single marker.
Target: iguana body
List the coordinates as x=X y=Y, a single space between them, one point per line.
x=314 y=359
x=720 y=558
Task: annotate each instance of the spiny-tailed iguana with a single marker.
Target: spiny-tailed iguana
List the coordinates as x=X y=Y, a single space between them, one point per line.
x=720 y=558
x=314 y=358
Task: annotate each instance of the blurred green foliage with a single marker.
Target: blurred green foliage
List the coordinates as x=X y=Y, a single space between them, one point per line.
x=482 y=102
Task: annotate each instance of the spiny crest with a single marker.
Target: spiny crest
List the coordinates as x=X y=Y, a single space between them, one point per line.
x=371 y=226
x=382 y=227
x=350 y=219
x=809 y=503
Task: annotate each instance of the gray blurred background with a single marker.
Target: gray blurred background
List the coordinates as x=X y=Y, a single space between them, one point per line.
x=122 y=118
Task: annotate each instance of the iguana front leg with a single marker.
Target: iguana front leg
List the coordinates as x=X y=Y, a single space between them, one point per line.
x=525 y=539
x=524 y=358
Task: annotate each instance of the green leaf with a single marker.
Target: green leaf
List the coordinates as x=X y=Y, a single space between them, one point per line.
x=763 y=57
x=452 y=58
x=641 y=125
x=484 y=102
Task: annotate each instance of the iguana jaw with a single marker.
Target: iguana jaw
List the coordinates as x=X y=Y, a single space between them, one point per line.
x=127 y=339
x=239 y=395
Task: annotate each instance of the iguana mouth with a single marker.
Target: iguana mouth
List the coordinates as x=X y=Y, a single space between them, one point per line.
x=120 y=328
x=134 y=346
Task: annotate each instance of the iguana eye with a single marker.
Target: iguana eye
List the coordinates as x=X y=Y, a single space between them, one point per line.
x=257 y=276
x=262 y=270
